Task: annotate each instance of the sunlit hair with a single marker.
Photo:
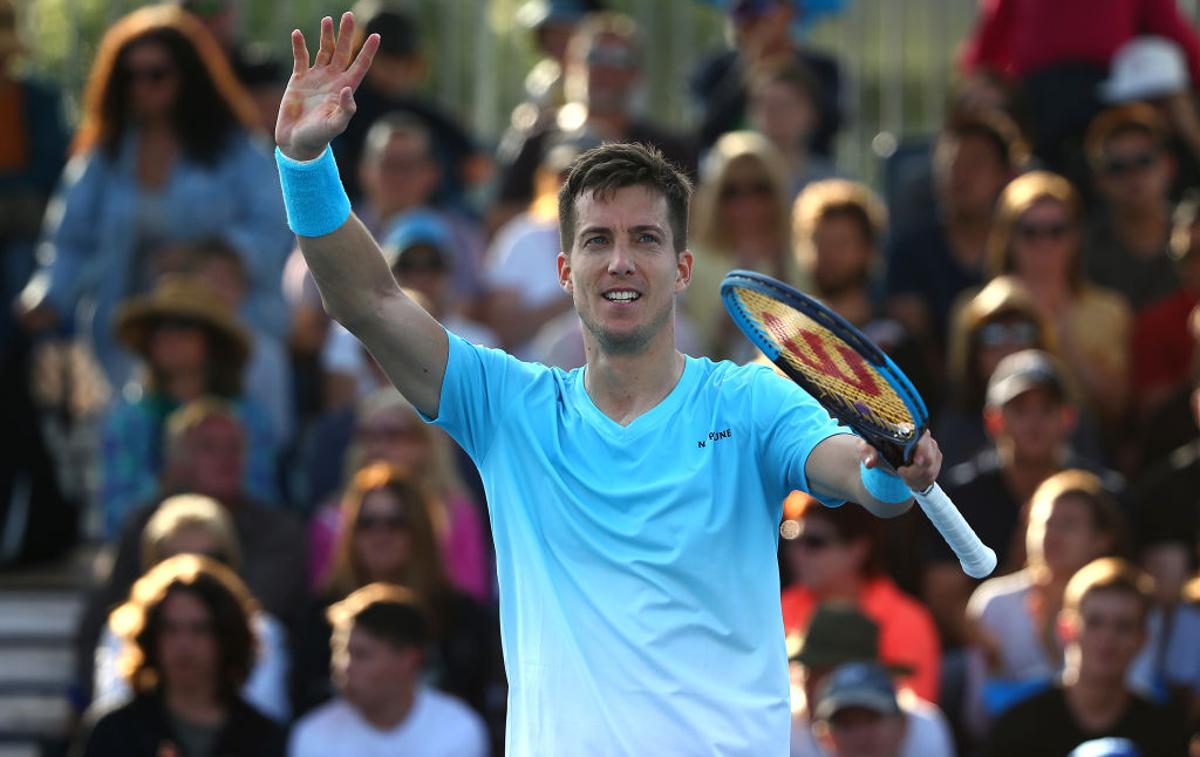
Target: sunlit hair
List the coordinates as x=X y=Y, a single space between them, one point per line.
x=424 y=573
x=1003 y=298
x=393 y=614
x=791 y=73
x=138 y=622
x=1109 y=574
x=190 y=511
x=835 y=198
x=1021 y=194
x=388 y=126
x=191 y=416
x=1124 y=119
x=732 y=149
x=603 y=170
x=850 y=521
x=1087 y=487
x=995 y=127
x=211 y=105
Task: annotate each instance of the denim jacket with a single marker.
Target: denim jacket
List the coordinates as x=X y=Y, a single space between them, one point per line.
x=88 y=249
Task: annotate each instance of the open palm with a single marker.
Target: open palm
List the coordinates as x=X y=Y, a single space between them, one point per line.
x=319 y=101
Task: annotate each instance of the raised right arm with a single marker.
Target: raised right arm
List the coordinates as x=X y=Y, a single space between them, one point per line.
x=357 y=288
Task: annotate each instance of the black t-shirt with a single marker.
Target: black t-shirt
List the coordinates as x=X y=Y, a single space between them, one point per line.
x=1166 y=500
x=1044 y=726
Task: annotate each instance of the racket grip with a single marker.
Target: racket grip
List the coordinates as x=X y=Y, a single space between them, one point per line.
x=976 y=558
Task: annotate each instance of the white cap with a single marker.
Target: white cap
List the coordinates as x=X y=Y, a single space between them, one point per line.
x=1145 y=67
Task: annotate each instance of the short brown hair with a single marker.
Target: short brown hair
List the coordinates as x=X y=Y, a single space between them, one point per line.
x=994 y=126
x=611 y=166
x=392 y=613
x=850 y=521
x=838 y=197
x=183 y=511
x=1108 y=574
x=1102 y=506
x=137 y=623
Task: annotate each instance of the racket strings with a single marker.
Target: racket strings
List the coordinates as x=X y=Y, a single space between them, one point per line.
x=830 y=365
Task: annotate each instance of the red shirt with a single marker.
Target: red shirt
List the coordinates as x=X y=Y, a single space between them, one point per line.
x=1018 y=37
x=907 y=635
x=1162 y=345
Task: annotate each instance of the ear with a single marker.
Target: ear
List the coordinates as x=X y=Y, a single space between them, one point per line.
x=564 y=273
x=993 y=421
x=1070 y=418
x=683 y=270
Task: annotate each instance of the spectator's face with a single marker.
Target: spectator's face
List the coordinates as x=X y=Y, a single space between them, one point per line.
x=1063 y=536
x=382 y=536
x=971 y=173
x=784 y=114
x=404 y=177
x=623 y=272
x=608 y=73
x=393 y=436
x=227 y=280
x=188 y=653
x=1045 y=240
x=860 y=732
x=178 y=346
x=152 y=79
x=842 y=256
x=819 y=558
x=1135 y=172
x=425 y=269
x=1169 y=564
x=747 y=200
x=213 y=456
x=761 y=27
x=1109 y=630
x=375 y=672
x=1037 y=424
x=1001 y=337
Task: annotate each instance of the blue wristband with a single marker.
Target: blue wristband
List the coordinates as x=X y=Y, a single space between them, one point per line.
x=884 y=486
x=313 y=195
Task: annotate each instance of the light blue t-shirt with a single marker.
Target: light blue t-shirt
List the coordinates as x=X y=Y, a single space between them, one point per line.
x=639 y=588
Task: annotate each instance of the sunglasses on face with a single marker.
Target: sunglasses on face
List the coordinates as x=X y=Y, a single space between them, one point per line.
x=612 y=57
x=1130 y=164
x=393 y=522
x=997 y=334
x=1031 y=232
x=420 y=264
x=149 y=74
x=755 y=189
x=812 y=542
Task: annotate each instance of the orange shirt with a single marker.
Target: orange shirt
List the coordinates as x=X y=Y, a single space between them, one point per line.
x=907 y=635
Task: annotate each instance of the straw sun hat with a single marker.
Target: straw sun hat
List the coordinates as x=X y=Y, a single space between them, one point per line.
x=183 y=297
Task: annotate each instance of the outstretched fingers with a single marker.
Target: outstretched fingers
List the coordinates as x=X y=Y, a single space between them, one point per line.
x=299 y=53
x=358 y=69
x=345 y=36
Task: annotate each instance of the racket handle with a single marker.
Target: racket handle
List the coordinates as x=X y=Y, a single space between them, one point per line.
x=976 y=558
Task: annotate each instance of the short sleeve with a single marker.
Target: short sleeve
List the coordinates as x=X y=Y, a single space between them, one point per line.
x=480 y=386
x=790 y=424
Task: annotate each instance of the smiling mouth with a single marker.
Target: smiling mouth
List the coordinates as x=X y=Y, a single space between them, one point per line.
x=624 y=295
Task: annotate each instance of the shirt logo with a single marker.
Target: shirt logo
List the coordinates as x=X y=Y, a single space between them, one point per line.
x=714 y=436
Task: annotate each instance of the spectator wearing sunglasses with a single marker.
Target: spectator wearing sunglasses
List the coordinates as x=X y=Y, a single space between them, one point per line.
x=1129 y=231
x=1037 y=238
x=389 y=533
x=836 y=555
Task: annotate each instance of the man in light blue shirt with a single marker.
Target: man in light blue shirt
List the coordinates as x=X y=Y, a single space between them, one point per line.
x=634 y=501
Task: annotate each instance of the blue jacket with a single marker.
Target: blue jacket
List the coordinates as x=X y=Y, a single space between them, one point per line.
x=90 y=236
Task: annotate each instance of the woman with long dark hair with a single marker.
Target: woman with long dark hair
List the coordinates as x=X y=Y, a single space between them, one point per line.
x=166 y=154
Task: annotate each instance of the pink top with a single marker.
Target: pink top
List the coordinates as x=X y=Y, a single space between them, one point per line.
x=464 y=552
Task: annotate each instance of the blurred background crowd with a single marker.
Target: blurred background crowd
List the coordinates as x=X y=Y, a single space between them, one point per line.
x=281 y=557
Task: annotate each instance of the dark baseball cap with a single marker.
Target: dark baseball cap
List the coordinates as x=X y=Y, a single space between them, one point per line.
x=1022 y=371
x=865 y=685
x=839 y=634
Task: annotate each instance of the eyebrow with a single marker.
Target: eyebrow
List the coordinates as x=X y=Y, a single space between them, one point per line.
x=632 y=229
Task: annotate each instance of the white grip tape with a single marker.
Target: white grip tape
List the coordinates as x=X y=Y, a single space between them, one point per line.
x=976 y=558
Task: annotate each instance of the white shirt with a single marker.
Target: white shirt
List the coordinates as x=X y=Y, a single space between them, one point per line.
x=438 y=725
x=927 y=734
x=522 y=259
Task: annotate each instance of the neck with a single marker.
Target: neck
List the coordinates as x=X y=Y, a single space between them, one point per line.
x=851 y=303
x=1142 y=229
x=196 y=704
x=624 y=386
x=389 y=712
x=1024 y=476
x=968 y=233
x=1095 y=700
x=844 y=588
x=185 y=386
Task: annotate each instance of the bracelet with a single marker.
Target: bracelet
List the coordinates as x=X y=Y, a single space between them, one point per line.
x=884 y=486
x=313 y=195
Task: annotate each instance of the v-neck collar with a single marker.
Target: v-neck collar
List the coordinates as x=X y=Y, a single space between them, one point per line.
x=647 y=420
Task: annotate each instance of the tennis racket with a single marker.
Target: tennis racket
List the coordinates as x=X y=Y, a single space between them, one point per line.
x=855 y=381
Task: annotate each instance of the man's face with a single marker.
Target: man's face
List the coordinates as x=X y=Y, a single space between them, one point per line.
x=1135 y=171
x=841 y=254
x=188 y=653
x=404 y=177
x=860 y=732
x=1109 y=630
x=1037 y=423
x=970 y=173
x=603 y=75
x=784 y=113
x=372 y=671
x=622 y=270
x=213 y=458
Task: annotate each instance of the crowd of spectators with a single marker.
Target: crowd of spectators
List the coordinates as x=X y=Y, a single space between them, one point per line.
x=300 y=564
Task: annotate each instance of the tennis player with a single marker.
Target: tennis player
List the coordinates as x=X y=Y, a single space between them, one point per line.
x=635 y=502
